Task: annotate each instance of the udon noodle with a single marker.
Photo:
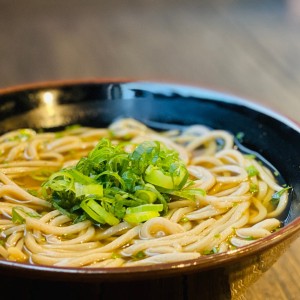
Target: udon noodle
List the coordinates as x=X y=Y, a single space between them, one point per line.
x=237 y=209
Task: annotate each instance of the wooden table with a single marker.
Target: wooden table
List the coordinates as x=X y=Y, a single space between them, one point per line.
x=244 y=47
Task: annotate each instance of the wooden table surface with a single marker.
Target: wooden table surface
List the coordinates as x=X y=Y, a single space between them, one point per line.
x=249 y=48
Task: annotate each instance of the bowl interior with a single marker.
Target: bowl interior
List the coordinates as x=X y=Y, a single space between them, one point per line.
x=160 y=106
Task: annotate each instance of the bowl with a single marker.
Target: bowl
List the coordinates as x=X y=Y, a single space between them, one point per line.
x=97 y=103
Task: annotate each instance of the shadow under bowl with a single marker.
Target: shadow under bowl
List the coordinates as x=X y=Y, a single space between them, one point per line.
x=160 y=106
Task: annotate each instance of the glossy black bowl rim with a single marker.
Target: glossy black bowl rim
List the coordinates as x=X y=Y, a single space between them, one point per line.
x=289 y=231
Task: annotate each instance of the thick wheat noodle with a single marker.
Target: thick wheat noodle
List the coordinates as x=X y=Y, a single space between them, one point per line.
x=240 y=189
x=14 y=238
x=262 y=190
x=217 y=134
x=182 y=203
x=260 y=214
x=13 y=190
x=280 y=207
x=5 y=146
x=266 y=178
x=32 y=223
x=31 y=151
x=108 y=263
x=9 y=231
x=83 y=237
x=40 y=259
x=206 y=160
x=227 y=214
x=235 y=221
x=180 y=213
x=205 y=212
x=112 y=231
x=228 y=231
x=74 y=146
x=150 y=228
x=59 y=252
x=13 y=153
x=122 y=240
x=63 y=141
x=238 y=174
x=52 y=155
x=164 y=258
x=82 y=246
x=31 y=163
x=185 y=237
x=227 y=201
x=82 y=261
x=151 y=251
x=20 y=170
x=97 y=133
x=59 y=220
x=206 y=179
x=232 y=156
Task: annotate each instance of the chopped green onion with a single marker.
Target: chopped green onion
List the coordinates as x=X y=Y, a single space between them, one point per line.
x=98 y=213
x=276 y=196
x=146 y=195
x=140 y=217
x=17 y=217
x=240 y=136
x=88 y=190
x=190 y=194
x=184 y=220
x=253 y=188
x=19 y=214
x=139 y=255
x=157 y=177
x=144 y=208
x=252 y=171
x=103 y=185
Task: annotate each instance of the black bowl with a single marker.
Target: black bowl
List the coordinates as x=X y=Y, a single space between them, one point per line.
x=160 y=106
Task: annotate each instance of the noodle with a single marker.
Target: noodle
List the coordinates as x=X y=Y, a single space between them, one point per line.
x=240 y=204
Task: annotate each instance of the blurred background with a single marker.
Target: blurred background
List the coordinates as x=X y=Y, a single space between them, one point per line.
x=247 y=47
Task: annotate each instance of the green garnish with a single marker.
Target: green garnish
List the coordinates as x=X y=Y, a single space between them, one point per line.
x=252 y=171
x=139 y=255
x=232 y=247
x=72 y=127
x=116 y=255
x=111 y=185
x=98 y=213
x=144 y=208
x=240 y=136
x=253 y=188
x=18 y=215
x=184 y=220
x=214 y=250
x=22 y=135
x=276 y=196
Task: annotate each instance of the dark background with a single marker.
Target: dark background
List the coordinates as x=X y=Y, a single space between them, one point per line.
x=247 y=47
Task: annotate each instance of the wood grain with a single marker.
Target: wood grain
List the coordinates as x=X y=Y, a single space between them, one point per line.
x=244 y=47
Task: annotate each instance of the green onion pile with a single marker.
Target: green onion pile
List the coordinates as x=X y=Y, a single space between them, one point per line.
x=111 y=185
